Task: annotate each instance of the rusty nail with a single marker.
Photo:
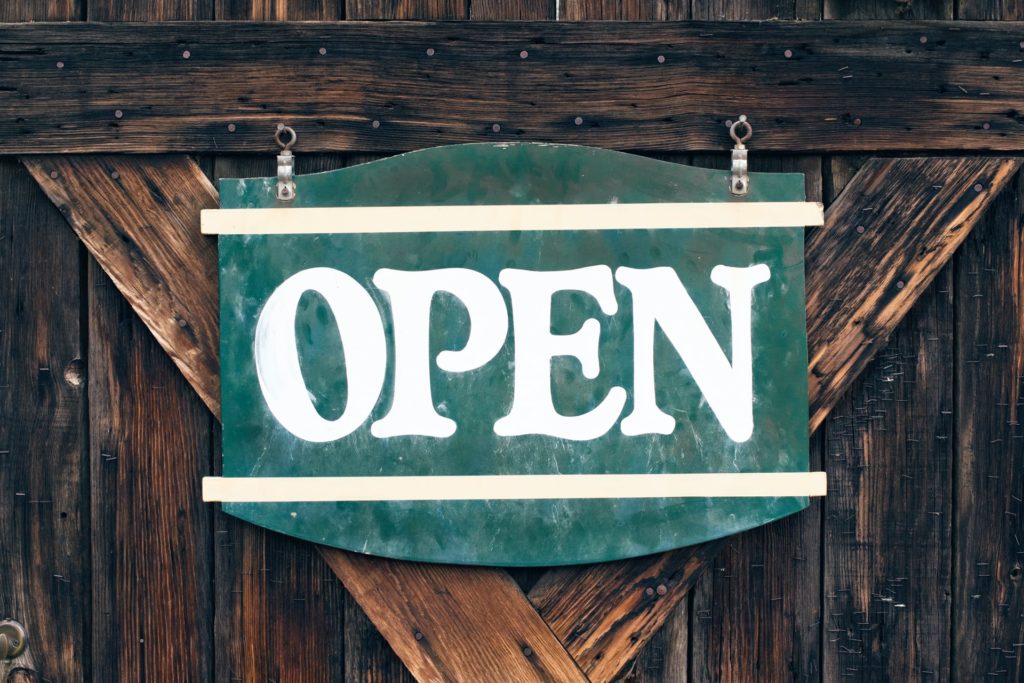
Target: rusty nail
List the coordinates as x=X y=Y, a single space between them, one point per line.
x=662 y=589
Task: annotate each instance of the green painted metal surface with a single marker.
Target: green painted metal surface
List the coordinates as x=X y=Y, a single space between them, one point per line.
x=520 y=532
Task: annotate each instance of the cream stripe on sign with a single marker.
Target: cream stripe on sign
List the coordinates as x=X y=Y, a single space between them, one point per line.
x=512 y=487
x=397 y=219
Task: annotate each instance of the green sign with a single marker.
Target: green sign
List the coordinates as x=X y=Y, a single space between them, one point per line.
x=513 y=355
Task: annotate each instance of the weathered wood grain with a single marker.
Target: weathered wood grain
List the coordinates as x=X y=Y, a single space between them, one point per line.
x=279 y=10
x=455 y=623
x=44 y=502
x=149 y=447
x=756 y=611
x=810 y=87
x=988 y=598
x=42 y=10
x=605 y=613
x=154 y=258
x=888 y=527
x=589 y=596
x=894 y=227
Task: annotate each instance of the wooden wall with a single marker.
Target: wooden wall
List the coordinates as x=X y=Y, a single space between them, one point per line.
x=911 y=569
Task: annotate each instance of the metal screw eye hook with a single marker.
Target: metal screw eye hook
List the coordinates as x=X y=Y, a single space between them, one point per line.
x=285 y=163
x=739 y=183
x=12 y=640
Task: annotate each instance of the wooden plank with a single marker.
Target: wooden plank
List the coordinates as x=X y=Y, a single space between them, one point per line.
x=988 y=598
x=886 y=9
x=442 y=619
x=843 y=86
x=594 y=594
x=44 y=510
x=605 y=613
x=150 y=10
x=988 y=601
x=888 y=527
x=897 y=224
x=756 y=611
x=122 y=239
x=280 y=611
x=42 y=10
x=279 y=10
x=149 y=437
x=149 y=442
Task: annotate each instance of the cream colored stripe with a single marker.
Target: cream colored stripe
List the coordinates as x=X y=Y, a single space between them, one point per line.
x=512 y=487
x=387 y=219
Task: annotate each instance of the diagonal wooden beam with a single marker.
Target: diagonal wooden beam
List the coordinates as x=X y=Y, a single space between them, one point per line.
x=136 y=213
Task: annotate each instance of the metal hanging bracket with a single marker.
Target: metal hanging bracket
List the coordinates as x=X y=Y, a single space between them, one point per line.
x=285 y=137
x=739 y=183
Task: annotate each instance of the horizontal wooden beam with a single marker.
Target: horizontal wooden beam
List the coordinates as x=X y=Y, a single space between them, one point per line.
x=223 y=87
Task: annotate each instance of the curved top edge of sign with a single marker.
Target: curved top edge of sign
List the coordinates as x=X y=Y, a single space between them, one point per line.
x=401 y=180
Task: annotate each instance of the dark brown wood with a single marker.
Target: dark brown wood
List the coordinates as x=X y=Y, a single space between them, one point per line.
x=149 y=439
x=279 y=10
x=894 y=227
x=156 y=260
x=988 y=595
x=888 y=9
x=888 y=528
x=44 y=485
x=44 y=501
x=605 y=613
x=455 y=623
x=406 y=9
x=150 y=10
x=42 y=10
x=843 y=86
x=756 y=611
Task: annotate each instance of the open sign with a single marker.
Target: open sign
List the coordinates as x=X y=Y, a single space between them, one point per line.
x=523 y=354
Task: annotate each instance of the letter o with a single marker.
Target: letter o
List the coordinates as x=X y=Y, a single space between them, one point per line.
x=277 y=354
